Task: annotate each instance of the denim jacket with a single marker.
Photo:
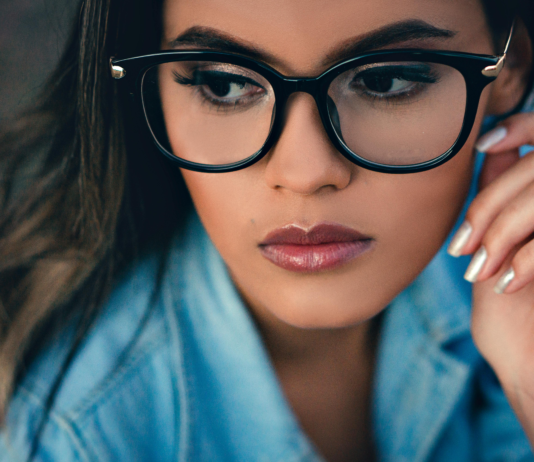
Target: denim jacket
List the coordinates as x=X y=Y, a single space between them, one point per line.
x=178 y=372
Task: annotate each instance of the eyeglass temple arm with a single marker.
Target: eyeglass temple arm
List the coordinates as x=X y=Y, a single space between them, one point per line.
x=494 y=71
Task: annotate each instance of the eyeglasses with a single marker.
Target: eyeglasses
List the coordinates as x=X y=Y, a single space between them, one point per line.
x=393 y=111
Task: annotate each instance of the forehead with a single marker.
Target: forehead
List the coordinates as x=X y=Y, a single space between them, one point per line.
x=300 y=32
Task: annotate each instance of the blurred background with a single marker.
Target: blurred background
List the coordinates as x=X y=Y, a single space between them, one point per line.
x=33 y=34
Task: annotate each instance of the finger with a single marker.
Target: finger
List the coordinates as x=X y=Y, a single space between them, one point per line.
x=502 y=144
x=492 y=200
x=519 y=273
x=495 y=165
x=501 y=185
x=513 y=132
x=511 y=227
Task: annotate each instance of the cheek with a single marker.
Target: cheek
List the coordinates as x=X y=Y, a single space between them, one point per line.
x=418 y=211
x=226 y=204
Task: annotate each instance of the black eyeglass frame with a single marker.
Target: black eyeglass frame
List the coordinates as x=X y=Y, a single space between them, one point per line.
x=478 y=71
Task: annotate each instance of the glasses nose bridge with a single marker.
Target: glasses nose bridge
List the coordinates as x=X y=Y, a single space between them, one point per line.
x=305 y=85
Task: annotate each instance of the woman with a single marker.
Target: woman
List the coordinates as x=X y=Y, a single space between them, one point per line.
x=327 y=324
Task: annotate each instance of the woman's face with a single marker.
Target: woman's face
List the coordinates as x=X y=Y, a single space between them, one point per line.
x=303 y=182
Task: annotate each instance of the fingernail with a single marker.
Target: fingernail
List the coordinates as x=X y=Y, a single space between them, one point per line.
x=504 y=281
x=491 y=138
x=460 y=239
x=477 y=262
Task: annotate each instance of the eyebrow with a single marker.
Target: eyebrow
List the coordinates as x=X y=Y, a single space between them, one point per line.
x=392 y=34
x=399 y=32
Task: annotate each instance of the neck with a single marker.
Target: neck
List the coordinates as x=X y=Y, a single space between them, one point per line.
x=326 y=375
x=295 y=346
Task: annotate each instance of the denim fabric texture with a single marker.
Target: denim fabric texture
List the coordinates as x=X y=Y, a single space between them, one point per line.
x=195 y=382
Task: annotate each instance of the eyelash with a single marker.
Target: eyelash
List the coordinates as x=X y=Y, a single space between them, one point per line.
x=408 y=75
x=207 y=99
x=419 y=75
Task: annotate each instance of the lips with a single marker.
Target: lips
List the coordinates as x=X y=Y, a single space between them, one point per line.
x=323 y=247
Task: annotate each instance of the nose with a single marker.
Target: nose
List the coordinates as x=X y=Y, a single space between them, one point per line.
x=303 y=160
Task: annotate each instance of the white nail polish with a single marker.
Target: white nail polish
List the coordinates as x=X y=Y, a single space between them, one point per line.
x=491 y=138
x=504 y=281
x=460 y=239
x=476 y=265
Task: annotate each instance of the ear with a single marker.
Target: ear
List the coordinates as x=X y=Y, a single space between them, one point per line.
x=511 y=85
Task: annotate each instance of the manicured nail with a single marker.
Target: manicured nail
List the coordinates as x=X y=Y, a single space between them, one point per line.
x=504 y=281
x=491 y=138
x=460 y=239
x=476 y=265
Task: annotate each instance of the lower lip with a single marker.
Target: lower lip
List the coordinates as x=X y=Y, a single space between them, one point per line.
x=314 y=258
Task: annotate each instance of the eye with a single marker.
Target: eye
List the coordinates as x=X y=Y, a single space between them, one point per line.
x=384 y=84
x=391 y=81
x=222 y=87
x=228 y=87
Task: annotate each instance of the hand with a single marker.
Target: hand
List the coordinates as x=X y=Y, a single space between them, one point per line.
x=499 y=228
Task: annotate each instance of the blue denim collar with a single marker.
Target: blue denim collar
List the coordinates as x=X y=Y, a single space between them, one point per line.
x=420 y=377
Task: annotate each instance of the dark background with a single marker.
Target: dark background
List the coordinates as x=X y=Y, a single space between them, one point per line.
x=33 y=34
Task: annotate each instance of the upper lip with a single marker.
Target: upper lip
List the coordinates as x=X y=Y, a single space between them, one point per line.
x=322 y=233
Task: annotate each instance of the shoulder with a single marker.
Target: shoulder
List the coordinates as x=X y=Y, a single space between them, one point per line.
x=118 y=391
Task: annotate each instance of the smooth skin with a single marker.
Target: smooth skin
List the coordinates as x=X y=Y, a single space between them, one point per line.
x=318 y=326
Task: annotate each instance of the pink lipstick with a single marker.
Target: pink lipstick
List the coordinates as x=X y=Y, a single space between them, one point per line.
x=325 y=246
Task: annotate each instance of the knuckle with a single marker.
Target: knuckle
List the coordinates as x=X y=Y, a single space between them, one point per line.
x=493 y=242
x=523 y=120
x=523 y=261
x=512 y=210
x=525 y=123
x=478 y=209
x=499 y=236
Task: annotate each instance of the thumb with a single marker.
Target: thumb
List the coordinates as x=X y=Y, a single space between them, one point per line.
x=495 y=164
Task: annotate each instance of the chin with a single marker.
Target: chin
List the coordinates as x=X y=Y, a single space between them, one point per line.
x=321 y=316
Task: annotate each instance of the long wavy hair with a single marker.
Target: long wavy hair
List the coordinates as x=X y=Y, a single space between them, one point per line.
x=83 y=193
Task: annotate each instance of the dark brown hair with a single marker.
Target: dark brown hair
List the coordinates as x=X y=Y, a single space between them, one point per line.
x=74 y=208
x=83 y=193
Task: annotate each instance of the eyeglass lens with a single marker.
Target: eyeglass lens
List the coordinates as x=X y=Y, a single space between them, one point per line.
x=393 y=113
x=214 y=113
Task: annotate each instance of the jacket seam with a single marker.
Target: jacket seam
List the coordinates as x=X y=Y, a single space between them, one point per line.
x=183 y=413
x=104 y=391
x=78 y=442
x=61 y=423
